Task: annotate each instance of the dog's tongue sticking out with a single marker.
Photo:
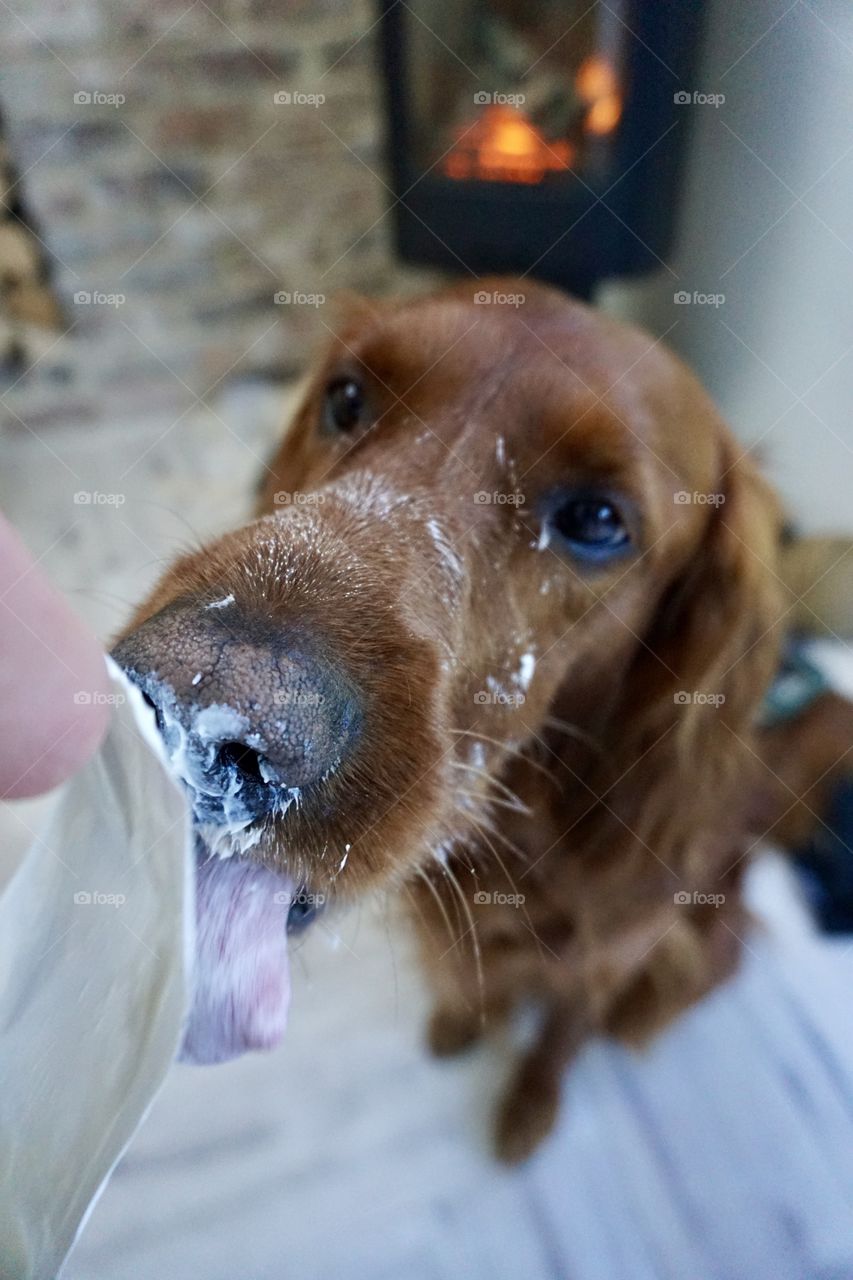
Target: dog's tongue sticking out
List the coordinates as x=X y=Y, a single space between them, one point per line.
x=241 y=979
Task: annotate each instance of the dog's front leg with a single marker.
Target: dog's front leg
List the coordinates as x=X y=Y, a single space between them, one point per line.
x=531 y=1101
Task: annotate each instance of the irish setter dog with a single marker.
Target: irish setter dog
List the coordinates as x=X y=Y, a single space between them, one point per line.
x=498 y=638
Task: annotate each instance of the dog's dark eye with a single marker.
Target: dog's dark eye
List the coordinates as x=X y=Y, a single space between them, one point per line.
x=344 y=405
x=592 y=525
x=304 y=907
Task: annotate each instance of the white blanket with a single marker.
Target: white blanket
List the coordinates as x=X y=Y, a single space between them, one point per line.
x=97 y=934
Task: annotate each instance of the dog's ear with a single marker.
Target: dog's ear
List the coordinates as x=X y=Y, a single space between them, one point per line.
x=676 y=774
x=711 y=647
x=677 y=739
x=695 y=686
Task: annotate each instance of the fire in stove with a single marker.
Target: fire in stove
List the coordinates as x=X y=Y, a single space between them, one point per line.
x=597 y=86
x=539 y=136
x=508 y=142
x=503 y=146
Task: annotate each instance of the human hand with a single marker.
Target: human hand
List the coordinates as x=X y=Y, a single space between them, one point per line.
x=54 y=686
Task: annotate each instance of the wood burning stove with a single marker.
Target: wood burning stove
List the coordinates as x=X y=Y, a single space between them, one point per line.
x=538 y=136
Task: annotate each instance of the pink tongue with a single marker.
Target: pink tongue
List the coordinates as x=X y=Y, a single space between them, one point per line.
x=242 y=985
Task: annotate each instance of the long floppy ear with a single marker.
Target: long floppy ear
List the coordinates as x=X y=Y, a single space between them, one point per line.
x=662 y=851
x=696 y=684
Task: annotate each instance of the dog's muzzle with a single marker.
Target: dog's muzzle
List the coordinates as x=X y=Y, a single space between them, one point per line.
x=252 y=713
x=252 y=710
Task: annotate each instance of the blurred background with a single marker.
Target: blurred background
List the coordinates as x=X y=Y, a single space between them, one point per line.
x=146 y=159
x=187 y=185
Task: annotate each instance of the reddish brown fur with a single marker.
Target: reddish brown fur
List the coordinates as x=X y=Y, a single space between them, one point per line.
x=601 y=796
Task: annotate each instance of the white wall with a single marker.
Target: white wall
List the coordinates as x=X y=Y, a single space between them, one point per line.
x=768 y=222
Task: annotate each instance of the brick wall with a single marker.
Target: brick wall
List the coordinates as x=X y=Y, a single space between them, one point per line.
x=177 y=191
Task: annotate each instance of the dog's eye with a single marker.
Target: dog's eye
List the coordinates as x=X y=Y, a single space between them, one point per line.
x=592 y=525
x=343 y=409
x=303 y=909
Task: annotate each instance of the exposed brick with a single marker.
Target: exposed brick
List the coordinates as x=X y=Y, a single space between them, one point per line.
x=136 y=25
x=244 y=65
x=351 y=54
x=281 y=11
x=199 y=126
x=288 y=190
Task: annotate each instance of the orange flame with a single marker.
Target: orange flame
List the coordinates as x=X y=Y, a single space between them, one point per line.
x=504 y=146
x=598 y=88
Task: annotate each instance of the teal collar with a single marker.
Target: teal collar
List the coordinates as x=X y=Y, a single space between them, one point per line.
x=797 y=685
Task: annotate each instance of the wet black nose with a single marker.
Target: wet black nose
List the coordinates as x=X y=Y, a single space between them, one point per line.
x=251 y=711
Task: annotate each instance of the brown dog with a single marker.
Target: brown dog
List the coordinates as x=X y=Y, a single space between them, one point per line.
x=498 y=638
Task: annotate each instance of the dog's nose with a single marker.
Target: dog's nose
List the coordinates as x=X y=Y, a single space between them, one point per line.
x=251 y=710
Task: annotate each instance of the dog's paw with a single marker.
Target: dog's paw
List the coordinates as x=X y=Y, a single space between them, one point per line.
x=526 y=1116
x=451 y=1032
